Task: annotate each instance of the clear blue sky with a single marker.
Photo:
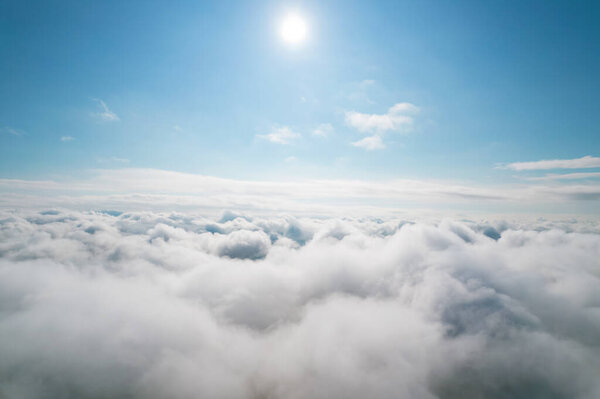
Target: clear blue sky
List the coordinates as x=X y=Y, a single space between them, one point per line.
x=192 y=86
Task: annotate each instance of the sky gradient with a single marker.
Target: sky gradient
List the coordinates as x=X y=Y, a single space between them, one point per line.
x=379 y=91
x=242 y=199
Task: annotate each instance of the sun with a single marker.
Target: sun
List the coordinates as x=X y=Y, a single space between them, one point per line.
x=294 y=29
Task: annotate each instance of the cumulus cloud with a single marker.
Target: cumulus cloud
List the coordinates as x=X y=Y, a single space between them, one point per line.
x=152 y=305
x=105 y=113
x=370 y=143
x=398 y=118
x=577 y=163
x=280 y=135
x=112 y=160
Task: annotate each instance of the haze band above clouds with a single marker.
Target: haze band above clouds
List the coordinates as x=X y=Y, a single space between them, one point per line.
x=135 y=189
x=154 y=305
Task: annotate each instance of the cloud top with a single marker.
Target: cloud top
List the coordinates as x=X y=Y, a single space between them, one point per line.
x=145 y=304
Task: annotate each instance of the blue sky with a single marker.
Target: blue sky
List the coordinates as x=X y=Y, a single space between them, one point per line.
x=209 y=87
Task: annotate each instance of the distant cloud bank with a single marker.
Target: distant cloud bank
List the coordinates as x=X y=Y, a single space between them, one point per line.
x=133 y=188
x=154 y=305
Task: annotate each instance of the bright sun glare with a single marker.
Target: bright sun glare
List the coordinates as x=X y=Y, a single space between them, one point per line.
x=293 y=29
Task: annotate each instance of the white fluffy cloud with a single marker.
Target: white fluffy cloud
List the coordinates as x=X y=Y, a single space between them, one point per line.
x=567 y=176
x=280 y=135
x=369 y=143
x=577 y=163
x=144 y=304
x=398 y=118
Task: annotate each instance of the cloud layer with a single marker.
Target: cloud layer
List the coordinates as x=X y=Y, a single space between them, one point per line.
x=137 y=189
x=153 y=305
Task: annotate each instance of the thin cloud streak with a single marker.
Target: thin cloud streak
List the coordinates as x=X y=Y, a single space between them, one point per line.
x=13 y=131
x=280 y=135
x=105 y=114
x=577 y=163
x=566 y=176
x=112 y=160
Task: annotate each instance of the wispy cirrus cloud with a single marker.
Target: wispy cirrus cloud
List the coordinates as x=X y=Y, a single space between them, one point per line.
x=113 y=160
x=105 y=113
x=12 y=131
x=67 y=138
x=370 y=143
x=323 y=130
x=366 y=83
x=280 y=135
x=566 y=176
x=577 y=163
x=359 y=91
x=398 y=118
